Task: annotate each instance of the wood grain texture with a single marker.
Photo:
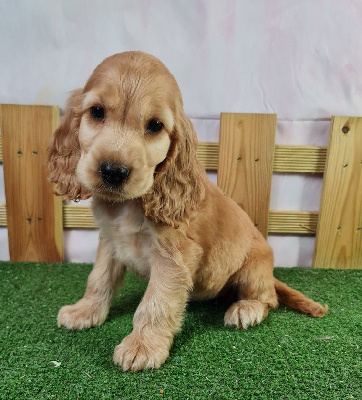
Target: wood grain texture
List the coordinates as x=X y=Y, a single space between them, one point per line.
x=34 y=214
x=75 y=216
x=246 y=154
x=280 y=222
x=339 y=233
x=299 y=159
x=208 y=155
x=293 y=222
x=3 y=221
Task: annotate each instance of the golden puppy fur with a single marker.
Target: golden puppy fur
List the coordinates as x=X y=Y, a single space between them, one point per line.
x=125 y=141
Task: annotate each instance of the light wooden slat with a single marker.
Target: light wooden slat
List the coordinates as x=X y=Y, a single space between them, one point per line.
x=301 y=159
x=2 y=215
x=34 y=214
x=290 y=222
x=339 y=243
x=339 y=234
x=1 y=149
x=280 y=222
x=208 y=154
x=75 y=216
x=246 y=154
x=293 y=222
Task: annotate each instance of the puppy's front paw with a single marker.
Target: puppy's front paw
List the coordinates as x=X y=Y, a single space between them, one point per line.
x=245 y=313
x=136 y=352
x=82 y=315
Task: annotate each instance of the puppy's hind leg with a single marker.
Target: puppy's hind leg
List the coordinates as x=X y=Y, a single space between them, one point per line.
x=255 y=286
x=104 y=280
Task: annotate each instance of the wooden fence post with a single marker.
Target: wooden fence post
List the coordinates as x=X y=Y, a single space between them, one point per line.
x=246 y=156
x=34 y=214
x=339 y=232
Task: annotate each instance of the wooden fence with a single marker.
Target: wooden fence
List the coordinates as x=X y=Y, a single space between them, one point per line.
x=245 y=159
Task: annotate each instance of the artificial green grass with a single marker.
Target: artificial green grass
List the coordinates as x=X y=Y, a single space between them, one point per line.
x=288 y=356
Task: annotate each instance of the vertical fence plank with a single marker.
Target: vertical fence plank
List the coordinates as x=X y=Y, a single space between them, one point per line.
x=339 y=232
x=246 y=154
x=34 y=214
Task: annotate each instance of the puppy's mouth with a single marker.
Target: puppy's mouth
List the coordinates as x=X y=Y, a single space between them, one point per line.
x=109 y=193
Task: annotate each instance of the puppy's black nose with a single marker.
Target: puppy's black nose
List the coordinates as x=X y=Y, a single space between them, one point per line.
x=113 y=174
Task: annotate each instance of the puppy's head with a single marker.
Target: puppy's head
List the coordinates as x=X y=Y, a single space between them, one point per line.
x=125 y=136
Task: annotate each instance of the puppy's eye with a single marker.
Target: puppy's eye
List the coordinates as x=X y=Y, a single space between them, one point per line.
x=154 y=126
x=97 y=113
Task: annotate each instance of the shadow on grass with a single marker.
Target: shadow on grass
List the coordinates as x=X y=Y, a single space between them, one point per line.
x=209 y=313
x=199 y=315
x=201 y=318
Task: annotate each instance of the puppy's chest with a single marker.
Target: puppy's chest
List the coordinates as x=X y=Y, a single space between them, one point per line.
x=131 y=235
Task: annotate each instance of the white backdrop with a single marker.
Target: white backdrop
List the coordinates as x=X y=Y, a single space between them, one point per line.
x=300 y=59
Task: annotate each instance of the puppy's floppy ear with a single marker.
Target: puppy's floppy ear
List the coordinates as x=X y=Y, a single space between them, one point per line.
x=179 y=182
x=64 y=152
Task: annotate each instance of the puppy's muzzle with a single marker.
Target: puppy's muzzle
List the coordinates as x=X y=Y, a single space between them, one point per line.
x=113 y=174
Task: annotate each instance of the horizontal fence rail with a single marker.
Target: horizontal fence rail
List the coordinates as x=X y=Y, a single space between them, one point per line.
x=297 y=159
x=295 y=222
x=280 y=222
x=2 y=214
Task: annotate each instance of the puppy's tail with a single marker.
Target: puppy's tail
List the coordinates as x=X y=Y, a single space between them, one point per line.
x=296 y=300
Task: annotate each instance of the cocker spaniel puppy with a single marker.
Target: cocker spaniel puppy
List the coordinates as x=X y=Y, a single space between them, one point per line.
x=125 y=141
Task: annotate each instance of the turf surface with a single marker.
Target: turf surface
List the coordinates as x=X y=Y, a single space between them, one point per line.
x=288 y=356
